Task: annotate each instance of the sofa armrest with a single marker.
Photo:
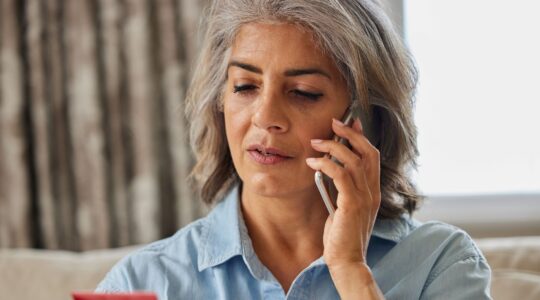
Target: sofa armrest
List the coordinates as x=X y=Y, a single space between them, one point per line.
x=515 y=264
x=516 y=253
x=46 y=274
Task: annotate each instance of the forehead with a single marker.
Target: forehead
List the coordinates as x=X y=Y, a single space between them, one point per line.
x=279 y=43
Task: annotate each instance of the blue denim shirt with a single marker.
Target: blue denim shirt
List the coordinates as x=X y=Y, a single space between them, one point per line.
x=213 y=258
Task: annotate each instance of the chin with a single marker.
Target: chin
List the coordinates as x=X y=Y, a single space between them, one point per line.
x=272 y=186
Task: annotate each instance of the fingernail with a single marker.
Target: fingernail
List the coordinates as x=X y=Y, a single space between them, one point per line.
x=338 y=122
x=316 y=141
x=358 y=125
x=310 y=160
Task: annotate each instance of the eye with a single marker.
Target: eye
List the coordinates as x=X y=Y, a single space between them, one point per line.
x=248 y=88
x=243 y=88
x=307 y=95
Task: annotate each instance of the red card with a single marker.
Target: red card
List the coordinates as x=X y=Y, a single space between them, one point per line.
x=117 y=296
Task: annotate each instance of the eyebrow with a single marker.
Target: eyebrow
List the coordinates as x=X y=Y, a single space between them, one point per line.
x=291 y=72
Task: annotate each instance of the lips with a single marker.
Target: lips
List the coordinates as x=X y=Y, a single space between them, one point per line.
x=268 y=151
x=267 y=155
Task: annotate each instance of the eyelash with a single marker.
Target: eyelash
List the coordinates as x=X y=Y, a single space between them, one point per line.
x=248 y=87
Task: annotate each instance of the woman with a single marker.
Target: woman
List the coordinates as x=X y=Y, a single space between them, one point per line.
x=272 y=83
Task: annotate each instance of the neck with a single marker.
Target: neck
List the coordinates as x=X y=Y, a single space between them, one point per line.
x=293 y=224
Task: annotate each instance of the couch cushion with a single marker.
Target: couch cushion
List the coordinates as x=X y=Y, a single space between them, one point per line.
x=515 y=263
x=517 y=253
x=510 y=284
x=46 y=274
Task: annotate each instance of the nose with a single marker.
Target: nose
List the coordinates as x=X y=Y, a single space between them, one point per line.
x=270 y=113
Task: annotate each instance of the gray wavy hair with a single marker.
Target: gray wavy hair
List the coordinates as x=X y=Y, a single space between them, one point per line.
x=377 y=67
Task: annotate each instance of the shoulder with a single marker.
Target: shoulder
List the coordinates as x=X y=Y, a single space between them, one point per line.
x=456 y=261
x=429 y=239
x=448 y=239
x=155 y=264
x=433 y=260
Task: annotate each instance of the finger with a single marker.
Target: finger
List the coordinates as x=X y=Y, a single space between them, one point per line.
x=327 y=226
x=354 y=135
x=348 y=201
x=357 y=125
x=350 y=160
x=361 y=145
x=341 y=177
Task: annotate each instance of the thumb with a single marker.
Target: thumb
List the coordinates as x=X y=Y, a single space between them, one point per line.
x=327 y=226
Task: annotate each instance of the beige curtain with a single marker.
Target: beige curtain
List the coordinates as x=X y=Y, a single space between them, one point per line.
x=93 y=140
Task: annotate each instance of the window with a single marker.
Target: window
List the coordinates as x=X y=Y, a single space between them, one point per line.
x=478 y=100
x=477 y=111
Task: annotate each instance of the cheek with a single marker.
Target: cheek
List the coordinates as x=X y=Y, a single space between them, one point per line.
x=323 y=130
x=236 y=125
x=231 y=131
x=319 y=131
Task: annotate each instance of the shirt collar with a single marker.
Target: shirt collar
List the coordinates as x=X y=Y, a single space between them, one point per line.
x=394 y=230
x=225 y=234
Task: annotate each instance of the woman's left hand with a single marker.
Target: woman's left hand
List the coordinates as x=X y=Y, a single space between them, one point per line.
x=347 y=232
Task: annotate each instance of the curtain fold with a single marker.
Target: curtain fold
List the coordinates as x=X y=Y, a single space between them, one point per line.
x=15 y=206
x=93 y=139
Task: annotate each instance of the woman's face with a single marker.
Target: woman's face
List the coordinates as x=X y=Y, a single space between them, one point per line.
x=281 y=92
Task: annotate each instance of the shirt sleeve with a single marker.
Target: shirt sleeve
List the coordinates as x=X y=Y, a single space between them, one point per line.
x=111 y=284
x=120 y=277
x=468 y=278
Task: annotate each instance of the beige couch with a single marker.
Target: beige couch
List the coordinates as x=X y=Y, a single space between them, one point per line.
x=515 y=263
x=40 y=274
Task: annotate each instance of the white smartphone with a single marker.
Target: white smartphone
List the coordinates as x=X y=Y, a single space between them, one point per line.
x=325 y=184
